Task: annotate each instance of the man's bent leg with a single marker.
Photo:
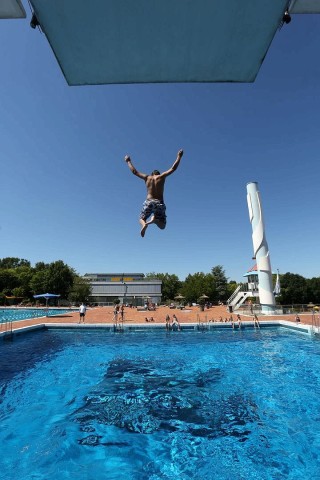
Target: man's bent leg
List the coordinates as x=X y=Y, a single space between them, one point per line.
x=160 y=223
x=144 y=226
x=157 y=210
x=160 y=216
x=145 y=213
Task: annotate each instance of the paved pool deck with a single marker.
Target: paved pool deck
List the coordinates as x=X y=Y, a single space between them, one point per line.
x=192 y=315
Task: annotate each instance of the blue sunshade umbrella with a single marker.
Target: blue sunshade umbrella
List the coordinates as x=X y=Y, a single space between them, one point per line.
x=46 y=296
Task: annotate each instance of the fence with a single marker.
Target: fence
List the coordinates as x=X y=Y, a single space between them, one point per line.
x=292 y=309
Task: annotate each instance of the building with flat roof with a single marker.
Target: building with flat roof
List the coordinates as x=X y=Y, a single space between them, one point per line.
x=129 y=288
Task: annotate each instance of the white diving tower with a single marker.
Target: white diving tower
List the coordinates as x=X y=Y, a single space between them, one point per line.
x=259 y=278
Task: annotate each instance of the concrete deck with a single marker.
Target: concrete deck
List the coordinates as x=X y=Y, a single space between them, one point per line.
x=104 y=315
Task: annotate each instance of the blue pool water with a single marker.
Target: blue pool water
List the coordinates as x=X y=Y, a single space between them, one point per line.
x=151 y=406
x=14 y=314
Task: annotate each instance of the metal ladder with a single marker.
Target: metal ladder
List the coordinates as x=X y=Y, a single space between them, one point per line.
x=118 y=326
x=8 y=328
x=202 y=326
x=315 y=325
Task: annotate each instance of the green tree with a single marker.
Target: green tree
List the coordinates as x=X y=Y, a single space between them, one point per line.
x=14 y=262
x=221 y=282
x=170 y=284
x=24 y=274
x=56 y=277
x=313 y=288
x=18 y=278
x=294 y=289
x=39 y=282
x=198 y=284
x=81 y=290
x=60 y=278
x=8 y=280
x=41 y=266
x=231 y=286
x=18 y=292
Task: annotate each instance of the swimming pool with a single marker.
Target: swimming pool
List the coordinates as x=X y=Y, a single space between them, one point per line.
x=218 y=404
x=15 y=314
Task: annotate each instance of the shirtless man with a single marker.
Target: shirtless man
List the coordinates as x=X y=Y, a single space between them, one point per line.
x=154 y=207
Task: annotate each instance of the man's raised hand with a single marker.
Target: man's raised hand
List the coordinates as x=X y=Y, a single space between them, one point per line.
x=127 y=158
x=180 y=153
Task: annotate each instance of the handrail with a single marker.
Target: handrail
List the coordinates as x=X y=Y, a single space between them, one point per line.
x=315 y=323
x=233 y=295
x=118 y=325
x=243 y=298
x=8 y=330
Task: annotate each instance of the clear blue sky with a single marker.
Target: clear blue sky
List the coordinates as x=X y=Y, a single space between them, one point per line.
x=66 y=192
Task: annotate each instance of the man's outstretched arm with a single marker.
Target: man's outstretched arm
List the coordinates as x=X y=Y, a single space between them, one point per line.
x=133 y=169
x=174 y=166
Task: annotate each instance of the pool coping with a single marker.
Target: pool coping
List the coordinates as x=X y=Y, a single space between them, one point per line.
x=136 y=327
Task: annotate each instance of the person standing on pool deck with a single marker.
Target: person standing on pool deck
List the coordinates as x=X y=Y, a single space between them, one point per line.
x=82 y=312
x=154 y=206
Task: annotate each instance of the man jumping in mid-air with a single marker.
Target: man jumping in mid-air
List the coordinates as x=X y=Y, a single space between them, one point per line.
x=154 y=207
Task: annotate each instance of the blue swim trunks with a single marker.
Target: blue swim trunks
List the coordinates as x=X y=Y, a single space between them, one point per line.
x=155 y=207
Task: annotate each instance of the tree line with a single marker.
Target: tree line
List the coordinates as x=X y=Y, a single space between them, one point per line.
x=19 y=281
x=213 y=285
x=295 y=289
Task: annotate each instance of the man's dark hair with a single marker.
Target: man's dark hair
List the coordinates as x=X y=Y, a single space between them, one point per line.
x=155 y=172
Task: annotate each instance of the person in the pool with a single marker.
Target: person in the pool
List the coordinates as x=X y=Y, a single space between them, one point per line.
x=154 y=208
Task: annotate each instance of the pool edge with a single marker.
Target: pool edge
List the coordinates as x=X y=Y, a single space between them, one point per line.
x=307 y=329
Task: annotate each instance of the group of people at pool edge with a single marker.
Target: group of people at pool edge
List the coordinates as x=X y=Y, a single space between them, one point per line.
x=174 y=324
x=118 y=316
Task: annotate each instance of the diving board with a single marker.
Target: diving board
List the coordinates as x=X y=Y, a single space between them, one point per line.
x=151 y=41
x=10 y=9
x=304 y=6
